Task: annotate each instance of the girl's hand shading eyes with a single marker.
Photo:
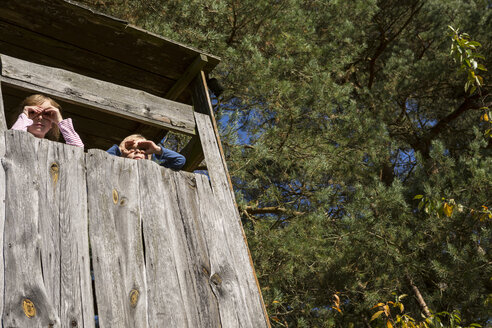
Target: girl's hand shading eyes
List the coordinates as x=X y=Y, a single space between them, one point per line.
x=53 y=114
x=32 y=111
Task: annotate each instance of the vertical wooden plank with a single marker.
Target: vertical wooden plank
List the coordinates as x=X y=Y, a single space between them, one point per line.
x=56 y=200
x=63 y=227
x=3 y=122
x=254 y=309
x=193 y=153
x=116 y=240
x=224 y=275
x=3 y=128
x=169 y=280
x=199 y=261
x=27 y=303
x=202 y=104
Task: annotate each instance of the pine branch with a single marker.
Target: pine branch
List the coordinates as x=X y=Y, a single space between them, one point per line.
x=270 y=210
x=419 y=297
x=423 y=144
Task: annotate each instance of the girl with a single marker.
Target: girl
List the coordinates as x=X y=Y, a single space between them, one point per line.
x=41 y=117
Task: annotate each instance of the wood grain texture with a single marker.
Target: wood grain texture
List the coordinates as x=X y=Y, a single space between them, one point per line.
x=193 y=153
x=3 y=121
x=253 y=312
x=116 y=240
x=63 y=229
x=167 y=247
x=22 y=243
x=167 y=258
x=2 y=198
x=48 y=201
x=99 y=95
x=99 y=36
x=198 y=259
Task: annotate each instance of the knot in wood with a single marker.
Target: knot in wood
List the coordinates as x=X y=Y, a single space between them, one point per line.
x=29 y=308
x=74 y=323
x=55 y=168
x=216 y=279
x=134 y=297
x=115 y=196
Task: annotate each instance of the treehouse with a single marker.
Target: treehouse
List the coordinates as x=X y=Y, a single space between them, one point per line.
x=86 y=234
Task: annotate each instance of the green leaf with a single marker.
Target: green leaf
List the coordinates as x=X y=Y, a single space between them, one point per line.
x=481 y=67
x=472 y=90
x=418 y=196
x=474 y=43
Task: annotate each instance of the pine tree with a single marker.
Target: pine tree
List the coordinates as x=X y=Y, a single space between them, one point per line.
x=335 y=115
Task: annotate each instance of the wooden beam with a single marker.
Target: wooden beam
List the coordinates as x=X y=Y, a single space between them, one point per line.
x=3 y=127
x=99 y=95
x=201 y=104
x=193 y=153
x=3 y=122
x=191 y=72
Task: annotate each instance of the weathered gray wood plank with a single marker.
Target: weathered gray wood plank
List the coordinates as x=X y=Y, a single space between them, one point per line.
x=116 y=240
x=27 y=302
x=199 y=261
x=224 y=275
x=193 y=153
x=169 y=278
x=3 y=122
x=253 y=313
x=2 y=198
x=63 y=230
x=104 y=96
x=57 y=194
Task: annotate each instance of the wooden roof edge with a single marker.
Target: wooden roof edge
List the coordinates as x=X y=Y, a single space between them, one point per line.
x=213 y=60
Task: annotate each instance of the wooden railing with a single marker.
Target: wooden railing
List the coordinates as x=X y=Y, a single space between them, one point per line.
x=166 y=247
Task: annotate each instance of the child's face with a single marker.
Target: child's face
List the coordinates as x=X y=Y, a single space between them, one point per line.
x=42 y=122
x=132 y=150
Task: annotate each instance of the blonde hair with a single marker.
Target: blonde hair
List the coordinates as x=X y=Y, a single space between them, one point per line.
x=37 y=100
x=131 y=137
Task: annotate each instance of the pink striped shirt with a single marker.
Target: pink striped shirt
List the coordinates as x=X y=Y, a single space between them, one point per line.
x=66 y=128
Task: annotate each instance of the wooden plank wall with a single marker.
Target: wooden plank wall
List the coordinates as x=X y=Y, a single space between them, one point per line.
x=45 y=247
x=167 y=250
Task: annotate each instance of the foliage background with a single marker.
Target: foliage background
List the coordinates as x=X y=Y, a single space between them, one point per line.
x=335 y=115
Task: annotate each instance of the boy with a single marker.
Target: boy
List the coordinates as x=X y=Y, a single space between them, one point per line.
x=135 y=146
